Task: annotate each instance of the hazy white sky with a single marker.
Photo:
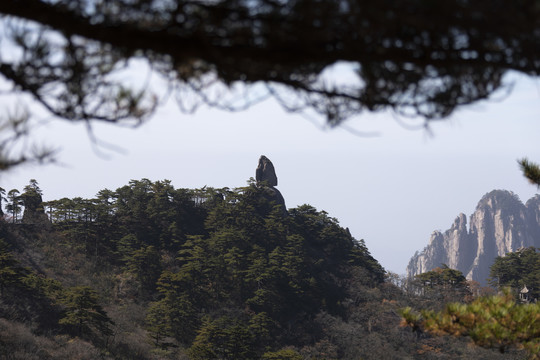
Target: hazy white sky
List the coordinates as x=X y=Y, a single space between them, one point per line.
x=392 y=190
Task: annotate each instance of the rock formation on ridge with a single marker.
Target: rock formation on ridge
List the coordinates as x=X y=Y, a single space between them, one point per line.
x=33 y=207
x=266 y=172
x=500 y=224
x=265 y=175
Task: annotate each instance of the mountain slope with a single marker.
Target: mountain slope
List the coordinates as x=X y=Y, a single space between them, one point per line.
x=500 y=224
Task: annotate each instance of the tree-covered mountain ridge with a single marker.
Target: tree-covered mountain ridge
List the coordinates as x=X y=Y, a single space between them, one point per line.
x=500 y=224
x=148 y=271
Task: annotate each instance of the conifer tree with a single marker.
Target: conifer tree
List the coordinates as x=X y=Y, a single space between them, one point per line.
x=83 y=313
x=497 y=322
x=144 y=263
x=2 y=197
x=14 y=205
x=9 y=268
x=530 y=170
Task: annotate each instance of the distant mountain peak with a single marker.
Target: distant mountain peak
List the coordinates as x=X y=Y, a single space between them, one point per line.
x=500 y=224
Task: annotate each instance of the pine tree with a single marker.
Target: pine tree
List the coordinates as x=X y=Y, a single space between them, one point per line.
x=2 y=197
x=530 y=170
x=83 y=314
x=10 y=272
x=493 y=322
x=15 y=204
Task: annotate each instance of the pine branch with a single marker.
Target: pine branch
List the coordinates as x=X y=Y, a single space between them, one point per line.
x=530 y=170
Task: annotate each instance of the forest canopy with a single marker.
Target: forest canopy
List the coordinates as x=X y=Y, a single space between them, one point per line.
x=149 y=271
x=218 y=273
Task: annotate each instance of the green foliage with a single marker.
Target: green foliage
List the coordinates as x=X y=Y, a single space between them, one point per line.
x=444 y=284
x=280 y=270
x=283 y=354
x=10 y=272
x=45 y=286
x=32 y=194
x=236 y=278
x=518 y=269
x=222 y=338
x=176 y=313
x=530 y=170
x=155 y=324
x=492 y=322
x=25 y=294
x=144 y=263
x=17 y=278
x=2 y=198
x=14 y=205
x=131 y=218
x=83 y=313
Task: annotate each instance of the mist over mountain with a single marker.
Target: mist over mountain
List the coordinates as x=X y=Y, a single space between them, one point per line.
x=500 y=224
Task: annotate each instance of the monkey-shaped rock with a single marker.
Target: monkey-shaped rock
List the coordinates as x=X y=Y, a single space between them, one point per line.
x=265 y=172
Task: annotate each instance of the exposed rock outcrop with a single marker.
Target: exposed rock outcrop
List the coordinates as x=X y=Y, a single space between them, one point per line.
x=33 y=208
x=265 y=172
x=265 y=175
x=500 y=224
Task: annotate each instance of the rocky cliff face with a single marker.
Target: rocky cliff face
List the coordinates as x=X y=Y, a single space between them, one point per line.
x=500 y=224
